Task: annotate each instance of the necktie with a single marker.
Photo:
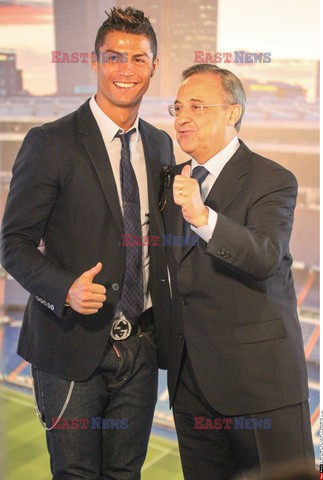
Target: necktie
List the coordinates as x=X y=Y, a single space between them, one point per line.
x=131 y=301
x=200 y=174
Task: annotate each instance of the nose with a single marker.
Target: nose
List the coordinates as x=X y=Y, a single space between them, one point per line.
x=125 y=66
x=183 y=117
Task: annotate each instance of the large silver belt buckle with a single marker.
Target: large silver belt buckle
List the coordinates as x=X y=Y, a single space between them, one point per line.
x=121 y=328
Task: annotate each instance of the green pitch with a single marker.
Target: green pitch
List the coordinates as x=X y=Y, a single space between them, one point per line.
x=23 y=452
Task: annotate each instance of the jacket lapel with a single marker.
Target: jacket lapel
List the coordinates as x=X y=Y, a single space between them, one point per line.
x=177 y=228
x=152 y=160
x=152 y=152
x=228 y=184
x=91 y=138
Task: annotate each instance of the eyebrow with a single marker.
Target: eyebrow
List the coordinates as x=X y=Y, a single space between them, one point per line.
x=191 y=100
x=110 y=50
x=136 y=55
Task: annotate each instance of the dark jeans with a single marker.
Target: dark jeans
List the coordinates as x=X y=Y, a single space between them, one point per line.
x=123 y=389
x=221 y=453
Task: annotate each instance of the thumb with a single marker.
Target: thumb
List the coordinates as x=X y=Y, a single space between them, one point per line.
x=90 y=274
x=186 y=172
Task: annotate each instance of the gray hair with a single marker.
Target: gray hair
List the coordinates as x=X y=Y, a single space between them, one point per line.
x=231 y=84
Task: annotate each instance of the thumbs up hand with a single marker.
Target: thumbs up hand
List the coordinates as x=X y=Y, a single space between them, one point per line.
x=186 y=172
x=187 y=195
x=84 y=296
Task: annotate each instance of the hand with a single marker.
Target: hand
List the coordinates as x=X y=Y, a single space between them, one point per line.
x=84 y=296
x=187 y=194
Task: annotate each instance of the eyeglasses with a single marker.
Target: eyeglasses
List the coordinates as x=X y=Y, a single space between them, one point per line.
x=175 y=110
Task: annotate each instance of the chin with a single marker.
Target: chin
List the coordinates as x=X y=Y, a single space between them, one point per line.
x=186 y=148
x=127 y=103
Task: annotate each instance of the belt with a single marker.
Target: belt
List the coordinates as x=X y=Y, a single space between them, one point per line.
x=122 y=328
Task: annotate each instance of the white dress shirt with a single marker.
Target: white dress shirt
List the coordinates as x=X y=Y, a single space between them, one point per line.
x=214 y=166
x=108 y=131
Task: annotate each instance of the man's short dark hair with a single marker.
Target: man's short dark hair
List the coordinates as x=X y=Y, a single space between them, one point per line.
x=128 y=20
x=231 y=84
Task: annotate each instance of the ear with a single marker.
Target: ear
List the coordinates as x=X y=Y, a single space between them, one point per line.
x=235 y=112
x=94 y=61
x=155 y=65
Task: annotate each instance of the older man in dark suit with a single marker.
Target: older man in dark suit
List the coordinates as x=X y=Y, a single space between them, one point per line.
x=86 y=185
x=237 y=372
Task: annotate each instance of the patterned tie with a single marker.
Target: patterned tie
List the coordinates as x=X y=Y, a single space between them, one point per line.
x=200 y=174
x=131 y=301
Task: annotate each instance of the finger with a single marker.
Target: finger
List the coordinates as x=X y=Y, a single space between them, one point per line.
x=99 y=298
x=94 y=298
x=91 y=311
x=177 y=194
x=178 y=187
x=90 y=274
x=91 y=305
x=184 y=183
x=180 y=180
x=186 y=172
x=98 y=289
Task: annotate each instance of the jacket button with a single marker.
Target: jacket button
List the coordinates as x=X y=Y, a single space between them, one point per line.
x=185 y=301
x=115 y=287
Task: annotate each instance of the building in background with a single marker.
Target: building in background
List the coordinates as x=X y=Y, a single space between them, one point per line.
x=76 y=25
x=295 y=73
x=10 y=77
x=180 y=31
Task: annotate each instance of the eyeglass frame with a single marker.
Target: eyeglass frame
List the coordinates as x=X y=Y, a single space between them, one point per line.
x=200 y=108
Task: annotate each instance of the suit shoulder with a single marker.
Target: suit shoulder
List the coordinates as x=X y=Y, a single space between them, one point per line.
x=163 y=142
x=153 y=130
x=67 y=124
x=59 y=125
x=264 y=167
x=53 y=133
x=51 y=137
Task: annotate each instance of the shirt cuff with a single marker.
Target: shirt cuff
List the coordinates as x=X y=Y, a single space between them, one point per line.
x=206 y=231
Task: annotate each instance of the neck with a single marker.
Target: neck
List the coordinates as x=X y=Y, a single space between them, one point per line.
x=123 y=117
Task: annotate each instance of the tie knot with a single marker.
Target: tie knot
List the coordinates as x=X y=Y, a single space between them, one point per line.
x=200 y=174
x=125 y=137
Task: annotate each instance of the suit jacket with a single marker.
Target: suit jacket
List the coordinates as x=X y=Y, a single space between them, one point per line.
x=63 y=191
x=234 y=302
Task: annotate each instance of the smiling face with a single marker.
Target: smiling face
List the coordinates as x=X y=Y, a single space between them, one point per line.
x=204 y=135
x=122 y=84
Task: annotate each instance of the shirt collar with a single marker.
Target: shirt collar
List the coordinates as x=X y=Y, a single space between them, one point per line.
x=108 y=128
x=216 y=163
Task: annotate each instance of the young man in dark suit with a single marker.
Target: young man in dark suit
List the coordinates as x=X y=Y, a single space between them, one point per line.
x=87 y=185
x=236 y=348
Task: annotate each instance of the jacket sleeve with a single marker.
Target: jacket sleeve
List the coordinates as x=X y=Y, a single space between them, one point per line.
x=34 y=188
x=258 y=247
